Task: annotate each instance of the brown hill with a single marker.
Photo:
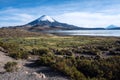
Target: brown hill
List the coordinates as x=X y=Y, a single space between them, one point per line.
x=13 y=32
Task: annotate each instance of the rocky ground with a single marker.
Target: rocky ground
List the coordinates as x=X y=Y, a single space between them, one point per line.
x=27 y=70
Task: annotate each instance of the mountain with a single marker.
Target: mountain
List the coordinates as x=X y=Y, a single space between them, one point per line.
x=47 y=23
x=112 y=27
x=43 y=20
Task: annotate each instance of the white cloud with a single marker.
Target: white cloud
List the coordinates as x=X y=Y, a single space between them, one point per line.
x=24 y=17
x=65 y=13
x=85 y=19
x=13 y=17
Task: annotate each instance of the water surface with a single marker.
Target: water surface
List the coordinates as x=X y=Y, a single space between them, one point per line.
x=115 y=33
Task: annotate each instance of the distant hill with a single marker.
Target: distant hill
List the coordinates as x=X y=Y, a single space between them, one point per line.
x=13 y=32
x=112 y=27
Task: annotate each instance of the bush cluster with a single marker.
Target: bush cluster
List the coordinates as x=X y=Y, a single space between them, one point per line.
x=10 y=66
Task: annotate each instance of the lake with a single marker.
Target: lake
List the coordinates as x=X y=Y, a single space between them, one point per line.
x=115 y=33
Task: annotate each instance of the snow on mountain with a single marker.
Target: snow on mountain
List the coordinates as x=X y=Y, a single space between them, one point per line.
x=46 y=18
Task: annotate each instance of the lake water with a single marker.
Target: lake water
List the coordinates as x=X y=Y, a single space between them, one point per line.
x=115 y=33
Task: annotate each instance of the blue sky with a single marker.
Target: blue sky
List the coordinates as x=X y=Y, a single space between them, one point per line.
x=83 y=13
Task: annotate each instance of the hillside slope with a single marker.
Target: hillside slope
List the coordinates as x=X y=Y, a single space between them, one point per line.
x=13 y=32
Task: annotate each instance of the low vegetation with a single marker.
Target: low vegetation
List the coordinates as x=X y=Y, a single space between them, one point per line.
x=80 y=58
x=11 y=66
x=84 y=68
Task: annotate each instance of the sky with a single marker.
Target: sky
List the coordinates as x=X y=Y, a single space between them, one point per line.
x=82 y=13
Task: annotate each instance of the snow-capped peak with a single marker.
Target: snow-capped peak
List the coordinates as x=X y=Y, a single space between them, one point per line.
x=46 y=18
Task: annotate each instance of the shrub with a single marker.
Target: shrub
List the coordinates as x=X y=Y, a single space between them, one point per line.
x=10 y=66
x=64 y=52
x=19 y=54
x=63 y=65
x=69 y=70
x=40 y=51
x=46 y=60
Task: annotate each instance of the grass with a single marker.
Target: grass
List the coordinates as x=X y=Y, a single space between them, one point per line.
x=58 y=42
x=75 y=44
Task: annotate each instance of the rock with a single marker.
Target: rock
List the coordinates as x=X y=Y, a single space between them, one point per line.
x=26 y=72
x=19 y=66
x=41 y=75
x=29 y=57
x=34 y=73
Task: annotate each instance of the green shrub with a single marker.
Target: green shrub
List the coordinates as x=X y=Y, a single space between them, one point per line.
x=40 y=51
x=46 y=60
x=69 y=70
x=19 y=54
x=64 y=52
x=10 y=66
x=61 y=64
